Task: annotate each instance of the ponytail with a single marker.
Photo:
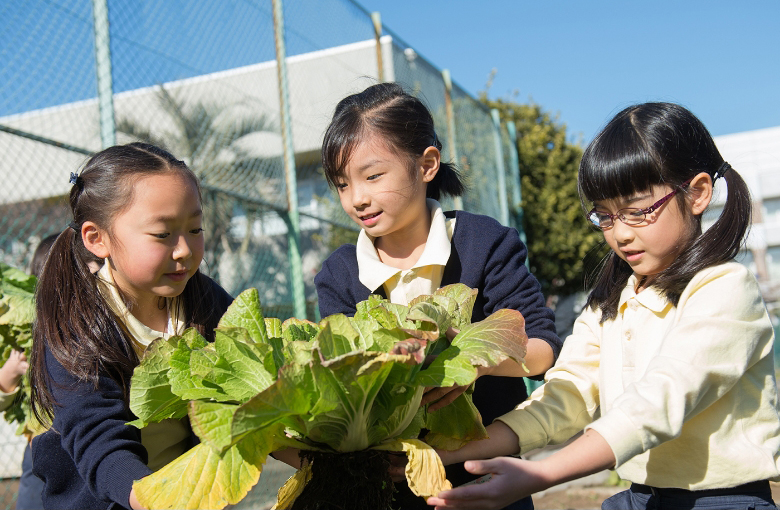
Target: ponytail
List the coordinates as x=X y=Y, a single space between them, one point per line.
x=69 y=306
x=446 y=182
x=720 y=243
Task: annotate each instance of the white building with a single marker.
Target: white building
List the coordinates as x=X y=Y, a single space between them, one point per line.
x=756 y=156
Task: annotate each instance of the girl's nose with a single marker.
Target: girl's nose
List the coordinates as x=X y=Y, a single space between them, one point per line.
x=359 y=197
x=621 y=232
x=182 y=249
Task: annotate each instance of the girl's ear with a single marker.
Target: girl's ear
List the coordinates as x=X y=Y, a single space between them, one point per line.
x=429 y=163
x=700 y=191
x=95 y=239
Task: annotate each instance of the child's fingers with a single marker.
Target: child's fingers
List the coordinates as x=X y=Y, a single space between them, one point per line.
x=451 y=394
x=482 y=467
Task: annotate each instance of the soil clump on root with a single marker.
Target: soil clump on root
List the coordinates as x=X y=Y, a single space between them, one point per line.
x=346 y=481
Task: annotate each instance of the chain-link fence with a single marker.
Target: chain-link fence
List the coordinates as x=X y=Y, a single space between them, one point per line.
x=242 y=90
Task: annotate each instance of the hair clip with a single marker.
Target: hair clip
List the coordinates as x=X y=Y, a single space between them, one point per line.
x=721 y=171
x=436 y=142
x=74 y=178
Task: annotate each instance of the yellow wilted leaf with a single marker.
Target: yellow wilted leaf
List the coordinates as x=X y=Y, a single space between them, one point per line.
x=203 y=478
x=292 y=488
x=424 y=470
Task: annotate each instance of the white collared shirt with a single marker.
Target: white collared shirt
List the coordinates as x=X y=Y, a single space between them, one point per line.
x=165 y=440
x=403 y=285
x=142 y=334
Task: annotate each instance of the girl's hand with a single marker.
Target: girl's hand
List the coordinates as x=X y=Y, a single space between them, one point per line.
x=397 y=469
x=445 y=396
x=12 y=371
x=134 y=504
x=511 y=479
x=289 y=456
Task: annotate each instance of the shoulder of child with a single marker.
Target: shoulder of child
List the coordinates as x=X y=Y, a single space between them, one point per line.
x=730 y=270
x=346 y=254
x=731 y=280
x=470 y=221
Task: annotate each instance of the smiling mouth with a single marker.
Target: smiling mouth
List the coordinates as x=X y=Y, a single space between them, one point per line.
x=369 y=216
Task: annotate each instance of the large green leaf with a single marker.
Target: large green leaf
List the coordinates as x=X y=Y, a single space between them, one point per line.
x=151 y=397
x=353 y=381
x=338 y=337
x=486 y=343
x=212 y=422
x=246 y=312
x=206 y=478
x=292 y=394
x=455 y=424
x=240 y=371
x=192 y=363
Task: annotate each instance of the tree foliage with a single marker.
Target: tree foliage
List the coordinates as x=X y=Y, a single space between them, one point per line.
x=558 y=236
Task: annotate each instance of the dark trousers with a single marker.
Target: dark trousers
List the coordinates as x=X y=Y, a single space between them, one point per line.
x=30 y=486
x=755 y=495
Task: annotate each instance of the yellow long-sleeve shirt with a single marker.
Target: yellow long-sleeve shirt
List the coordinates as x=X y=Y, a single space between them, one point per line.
x=6 y=399
x=685 y=396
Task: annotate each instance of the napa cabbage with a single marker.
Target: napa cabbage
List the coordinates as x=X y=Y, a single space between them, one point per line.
x=344 y=384
x=17 y=310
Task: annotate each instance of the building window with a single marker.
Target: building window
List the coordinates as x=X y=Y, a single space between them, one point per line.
x=772 y=210
x=773 y=262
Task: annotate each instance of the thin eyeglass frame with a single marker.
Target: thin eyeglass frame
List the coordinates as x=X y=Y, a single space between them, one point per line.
x=621 y=215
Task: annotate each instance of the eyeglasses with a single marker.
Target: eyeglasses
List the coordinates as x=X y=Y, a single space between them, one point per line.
x=629 y=215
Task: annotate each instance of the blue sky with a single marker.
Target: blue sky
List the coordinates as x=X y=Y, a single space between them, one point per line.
x=586 y=60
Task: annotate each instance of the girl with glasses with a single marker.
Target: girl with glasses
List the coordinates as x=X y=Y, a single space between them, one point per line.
x=669 y=369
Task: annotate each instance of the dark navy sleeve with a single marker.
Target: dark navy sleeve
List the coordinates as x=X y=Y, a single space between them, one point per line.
x=338 y=286
x=509 y=284
x=90 y=424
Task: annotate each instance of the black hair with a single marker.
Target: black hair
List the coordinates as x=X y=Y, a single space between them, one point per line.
x=73 y=320
x=401 y=120
x=661 y=144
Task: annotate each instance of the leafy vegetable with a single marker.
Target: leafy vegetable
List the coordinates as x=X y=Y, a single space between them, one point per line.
x=17 y=310
x=346 y=384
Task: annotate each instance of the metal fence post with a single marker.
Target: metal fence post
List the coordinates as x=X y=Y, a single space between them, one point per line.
x=105 y=86
x=293 y=225
x=376 y=18
x=500 y=170
x=517 y=196
x=453 y=148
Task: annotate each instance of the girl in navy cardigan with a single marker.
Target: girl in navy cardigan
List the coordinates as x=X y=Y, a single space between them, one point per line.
x=137 y=208
x=382 y=155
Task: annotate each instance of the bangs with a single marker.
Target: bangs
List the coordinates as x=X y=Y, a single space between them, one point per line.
x=338 y=145
x=617 y=164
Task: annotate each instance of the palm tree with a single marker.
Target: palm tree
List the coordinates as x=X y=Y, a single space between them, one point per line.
x=212 y=138
x=235 y=150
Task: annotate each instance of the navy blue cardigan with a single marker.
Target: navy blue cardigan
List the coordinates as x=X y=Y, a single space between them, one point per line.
x=486 y=256
x=90 y=458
